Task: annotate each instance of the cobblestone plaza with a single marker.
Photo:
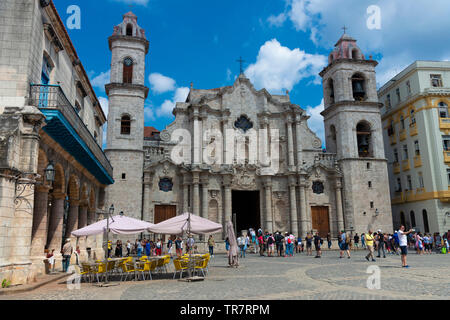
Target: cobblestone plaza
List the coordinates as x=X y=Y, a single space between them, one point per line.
x=262 y=278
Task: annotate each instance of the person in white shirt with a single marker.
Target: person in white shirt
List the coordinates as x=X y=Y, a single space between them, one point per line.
x=403 y=241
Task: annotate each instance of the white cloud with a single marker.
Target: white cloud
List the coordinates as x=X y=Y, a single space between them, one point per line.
x=101 y=80
x=408 y=32
x=149 y=114
x=316 y=122
x=104 y=103
x=160 y=83
x=277 y=21
x=165 y=110
x=278 y=68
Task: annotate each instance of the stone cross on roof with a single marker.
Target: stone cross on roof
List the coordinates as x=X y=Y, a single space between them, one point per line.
x=241 y=62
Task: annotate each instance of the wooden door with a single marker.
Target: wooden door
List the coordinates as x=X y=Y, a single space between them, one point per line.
x=320 y=220
x=162 y=213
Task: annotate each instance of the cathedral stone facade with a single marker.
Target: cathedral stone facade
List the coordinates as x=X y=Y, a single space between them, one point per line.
x=244 y=155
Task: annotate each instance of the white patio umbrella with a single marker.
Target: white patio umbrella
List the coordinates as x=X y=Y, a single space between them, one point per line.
x=117 y=225
x=186 y=223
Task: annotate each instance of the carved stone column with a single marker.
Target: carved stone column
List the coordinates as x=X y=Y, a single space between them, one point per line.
x=146 y=216
x=299 y=144
x=290 y=142
x=339 y=210
x=293 y=205
x=303 y=213
x=196 y=138
x=40 y=219
x=205 y=197
x=227 y=198
x=196 y=194
x=55 y=228
x=82 y=222
x=268 y=212
x=72 y=219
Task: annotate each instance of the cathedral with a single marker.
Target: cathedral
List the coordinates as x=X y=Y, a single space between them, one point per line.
x=240 y=154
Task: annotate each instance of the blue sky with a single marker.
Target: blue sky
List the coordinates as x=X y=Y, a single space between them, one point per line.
x=285 y=43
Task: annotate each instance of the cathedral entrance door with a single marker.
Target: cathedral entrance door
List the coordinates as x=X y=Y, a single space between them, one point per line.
x=320 y=220
x=162 y=213
x=245 y=204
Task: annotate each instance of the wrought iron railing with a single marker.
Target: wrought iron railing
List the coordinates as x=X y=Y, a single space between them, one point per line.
x=52 y=97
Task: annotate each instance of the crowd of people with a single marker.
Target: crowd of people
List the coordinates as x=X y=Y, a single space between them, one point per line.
x=380 y=243
x=173 y=246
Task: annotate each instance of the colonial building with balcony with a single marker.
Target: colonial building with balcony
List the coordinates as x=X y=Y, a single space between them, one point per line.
x=53 y=172
x=416 y=131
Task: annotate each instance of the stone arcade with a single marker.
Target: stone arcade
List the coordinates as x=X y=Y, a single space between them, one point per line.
x=238 y=150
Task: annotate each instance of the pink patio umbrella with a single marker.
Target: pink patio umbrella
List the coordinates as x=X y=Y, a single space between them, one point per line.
x=117 y=225
x=186 y=223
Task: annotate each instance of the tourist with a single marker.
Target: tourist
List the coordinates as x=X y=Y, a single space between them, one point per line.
x=356 y=239
x=109 y=248
x=148 y=248
x=51 y=260
x=246 y=243
x=190 y=244
x=253 y=235
x=300 y=245
x=66 y=252
x=380 y=244
x=118 y=252
x=158 y=247
x=403 y=242
x=261 y=245
x=211 y=244
x=317 y=244
x=139 y=248
x=279 y=243
x=170 y=246
x=308 y=240
x=344 y=245
x=241 y=244
x=128 y=248
x=271 y=245
x=179 y=247
x=227 y=244
x=418 y=243
x=369 y=238
x=329 y=240
x=363 y=241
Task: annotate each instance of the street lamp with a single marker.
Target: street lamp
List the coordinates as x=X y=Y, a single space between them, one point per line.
x=49 y=172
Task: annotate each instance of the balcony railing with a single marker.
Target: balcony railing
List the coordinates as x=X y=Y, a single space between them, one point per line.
x=396 y=167
x=417 y=161
x=413 y=130
x=402 y=135
x=444 y=123
x=447 y=156
x=405 y=165
x=53 y=98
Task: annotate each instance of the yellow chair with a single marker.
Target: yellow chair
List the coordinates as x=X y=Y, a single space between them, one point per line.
x=160 y=264
x=166 y=262
x=99 y=268
x=128 y=268
x=142 y=267
x=85 y=271
x=143 y=258
x=201 y=265
x=180 y=265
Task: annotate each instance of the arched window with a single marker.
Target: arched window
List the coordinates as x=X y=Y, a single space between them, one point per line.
x=355 y=54
x=128 y=70
x=402 y=218
x=129 y=29
x=413 y=219
x=426 y=225
x=331 y=90
x=125 y=125
x=332 y=143
x=358 y=86
x=77 y=107
x=443 y=110
x=363 y=135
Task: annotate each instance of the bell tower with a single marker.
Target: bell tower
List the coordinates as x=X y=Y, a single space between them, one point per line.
x=353 y=131
x=125 y=136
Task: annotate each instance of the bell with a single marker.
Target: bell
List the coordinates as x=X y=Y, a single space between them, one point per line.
x=358 y=87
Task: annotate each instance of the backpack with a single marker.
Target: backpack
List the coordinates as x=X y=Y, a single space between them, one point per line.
x=289 y=241
x=347 y=240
